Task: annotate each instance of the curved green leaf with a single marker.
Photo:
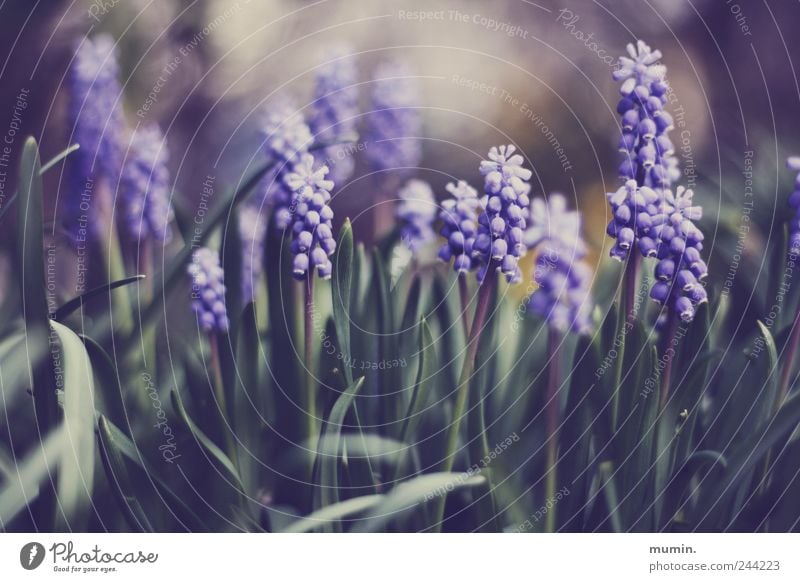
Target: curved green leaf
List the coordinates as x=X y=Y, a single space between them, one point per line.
x=411 y=494
x=113 y=437
x=336 y=512
x=76 y=470
x=329 y=463
x=217 y=455
x=341 y=291
x=77 y=302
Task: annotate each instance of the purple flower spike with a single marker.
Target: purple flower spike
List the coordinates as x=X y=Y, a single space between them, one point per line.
x=416 y=212
x=677 y=244
x=394 y=124
x=459 y=216
x=793 y=164
x=634 y=211
x=312 y=232
x=97 y=122
x=336 y=109
x=563 y=297
x=252 y=230
x=208 y=291
x=506 y=206
x=286 y=138
x=145 y=186
x=649 y=155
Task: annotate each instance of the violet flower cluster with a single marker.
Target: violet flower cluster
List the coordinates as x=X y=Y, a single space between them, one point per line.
x=287 y=138
x=564 y=279
x=499 y=243
x=459 y=216
x=416 y=213
x=649 y=166
x=145 y=187
x=394 y=124
x=649 y=153
x=208 y=291
x=95 y=113
x=336 y=110
x=252 y=230
x=634 y=211
x=312 y=232
x=680 y=268
x=793 y=164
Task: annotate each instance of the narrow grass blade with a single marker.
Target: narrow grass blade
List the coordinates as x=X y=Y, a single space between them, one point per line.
x=76 y=303
x=341 y=292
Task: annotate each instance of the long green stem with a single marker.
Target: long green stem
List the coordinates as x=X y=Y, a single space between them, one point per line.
x=631 y=272
x=666 y=379
x=481 y=311
x=552 y=420
x=219 y=393
x=308 y=340
x=463 y=295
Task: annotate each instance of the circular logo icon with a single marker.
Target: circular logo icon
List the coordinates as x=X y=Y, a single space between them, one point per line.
x=31 y=555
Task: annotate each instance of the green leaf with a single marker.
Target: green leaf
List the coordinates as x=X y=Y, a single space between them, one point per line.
x=76 y=303
x=384 y=382
x=251 y=402
x=76 y=470
x=422 y=389
x=35 y=312
x=412 y=494
x=113 y=437
x=679 y=483
x=743 y=457
x=220 y=459
x=575 y=436
x=329 y=463
x=341 y=291
x=59 y=156
x=334 y=513
x=108 y=386
x=30 y=475
x=232 y=272
x=119 y=481
x=642 y=468
x=610 y=496
x=283 y=363
x=52 y=162
x=749 y=392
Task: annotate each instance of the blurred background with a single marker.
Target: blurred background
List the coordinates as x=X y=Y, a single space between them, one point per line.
x=537 y=74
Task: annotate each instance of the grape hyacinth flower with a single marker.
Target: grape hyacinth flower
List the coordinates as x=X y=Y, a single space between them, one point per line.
x=336 y=109
x=680 y=268
x=95 y=113
x=634 y=210
x=563 y=297
x=252 y=230
x=394 y=125
x=208 y=291
x=287 y=138
x=499 y=243
x=459 y=216
x=144 y=182
x=793 y=164
x=649 y=155
x=416 y=212
x=312 y=232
